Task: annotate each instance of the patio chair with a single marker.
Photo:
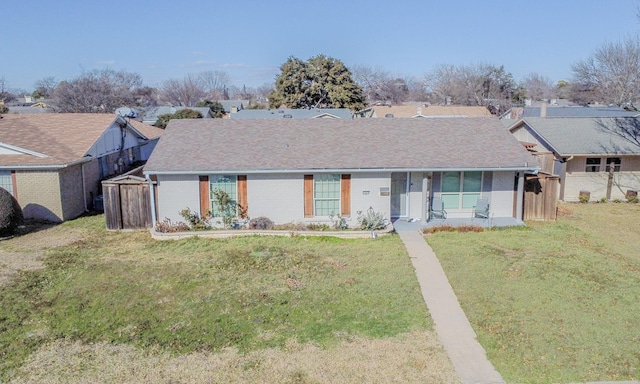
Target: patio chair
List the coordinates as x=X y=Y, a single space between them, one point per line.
x=437 y=209
x=481 y=209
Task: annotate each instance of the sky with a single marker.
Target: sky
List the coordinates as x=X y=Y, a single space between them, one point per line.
x=249 y=39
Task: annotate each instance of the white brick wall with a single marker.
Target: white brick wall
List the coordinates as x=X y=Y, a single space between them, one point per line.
x=502 y=194
x=280 y=197
x=175 y=193
x=361 y=202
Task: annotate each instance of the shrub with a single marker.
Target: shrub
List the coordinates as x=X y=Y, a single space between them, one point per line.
x=583 y=198
x=261 y=222
x=452 y=228
x=167 y=226
x=338 y=222
x=195 y=221
x=371 y=220
x=633 y=199
x=617 y=200
x=10 y=214
x=603 y=200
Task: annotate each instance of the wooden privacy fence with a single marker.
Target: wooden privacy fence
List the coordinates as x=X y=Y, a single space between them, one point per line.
x=127 y=203
x=540 y=197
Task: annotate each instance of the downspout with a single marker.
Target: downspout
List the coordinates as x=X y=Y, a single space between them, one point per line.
x=563 y=177
x=520 y=196
x=153 y=200
x=84 y=188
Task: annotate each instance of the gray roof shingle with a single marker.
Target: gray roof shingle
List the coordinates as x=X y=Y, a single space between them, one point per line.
x=304 y=113
x=583 y=136
x=222 y=145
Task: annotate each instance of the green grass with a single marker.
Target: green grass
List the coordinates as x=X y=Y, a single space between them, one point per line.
x=557 y=302
x=207 y=294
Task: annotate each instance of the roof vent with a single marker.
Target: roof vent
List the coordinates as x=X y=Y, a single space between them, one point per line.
x=389 y=115
x=287 y=116
x=280 y=111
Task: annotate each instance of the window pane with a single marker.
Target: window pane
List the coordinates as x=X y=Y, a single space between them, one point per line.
x=5 y=181
x=469 y=200
x=593 y=164
x=451 y=200
x=326 y=193
x=613 y=160
x=326 y=207
x=226 y=183
x=451 y=182
x=472 y=182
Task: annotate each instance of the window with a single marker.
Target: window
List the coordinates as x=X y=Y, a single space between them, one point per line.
x=6 y=182
x=460 y=190
x=326 y=194
x=593 y=164
x=616 y=161
x=226 y=183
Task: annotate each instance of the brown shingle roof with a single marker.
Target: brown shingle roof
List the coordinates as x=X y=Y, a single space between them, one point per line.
x=220 y=145
x=405 y=111
x=62 y=137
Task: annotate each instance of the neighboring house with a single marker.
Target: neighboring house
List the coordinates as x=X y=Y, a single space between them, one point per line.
x=582 y=150
x=425 y=110
x=302 y=113
x=53 y=163
x=233 y=106
x=150 y=115
x=551 y=110
x=305 y=170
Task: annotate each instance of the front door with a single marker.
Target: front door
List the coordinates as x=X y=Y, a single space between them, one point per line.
x=399 y=192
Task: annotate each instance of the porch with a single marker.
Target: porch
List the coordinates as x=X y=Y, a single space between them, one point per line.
x=404 y=224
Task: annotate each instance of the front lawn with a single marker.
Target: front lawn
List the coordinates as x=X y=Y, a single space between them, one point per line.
x=114 y=306
x=555 y=302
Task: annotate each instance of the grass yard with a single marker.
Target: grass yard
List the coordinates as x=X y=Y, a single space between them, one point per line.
x=118 y=306
x=555 y=302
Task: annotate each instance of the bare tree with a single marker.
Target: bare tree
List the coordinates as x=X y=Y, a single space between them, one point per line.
x=186 y=92
x=97 y=91
x=45 y=87
x=479 y=84
x=538 y=87
x=215 y=83
x=610 y=75
x=379 y=85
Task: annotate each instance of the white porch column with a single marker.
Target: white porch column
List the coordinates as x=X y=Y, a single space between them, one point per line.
x=425 y=197
x=520 y=196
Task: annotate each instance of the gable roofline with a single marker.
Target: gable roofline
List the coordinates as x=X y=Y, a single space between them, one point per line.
x=23 y=151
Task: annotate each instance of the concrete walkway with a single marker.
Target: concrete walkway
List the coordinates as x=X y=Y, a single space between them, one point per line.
x=454 y=331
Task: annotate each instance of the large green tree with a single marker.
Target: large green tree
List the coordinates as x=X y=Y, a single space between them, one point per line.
x=320 y=81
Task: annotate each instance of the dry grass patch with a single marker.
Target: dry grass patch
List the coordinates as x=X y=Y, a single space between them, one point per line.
x=410 y=358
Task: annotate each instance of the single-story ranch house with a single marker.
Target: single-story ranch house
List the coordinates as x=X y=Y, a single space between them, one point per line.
x=52 y=163
x=583 y=151
x=305 y=170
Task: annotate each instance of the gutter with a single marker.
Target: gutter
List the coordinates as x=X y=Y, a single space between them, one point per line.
x=46 y=167
x=525 y=168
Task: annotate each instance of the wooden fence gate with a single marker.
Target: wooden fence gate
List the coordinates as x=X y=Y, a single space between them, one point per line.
x=127 y=203
x=540 y=197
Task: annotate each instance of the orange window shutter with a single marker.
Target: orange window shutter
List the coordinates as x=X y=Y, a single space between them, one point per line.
x=243 y=204
x=345 y=195
x=205 y=202
x=308 y=195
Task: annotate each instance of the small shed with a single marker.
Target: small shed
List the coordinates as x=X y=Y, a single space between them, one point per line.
x=127 y=203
